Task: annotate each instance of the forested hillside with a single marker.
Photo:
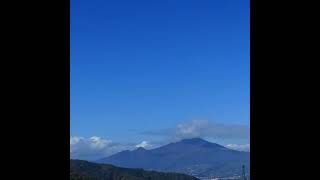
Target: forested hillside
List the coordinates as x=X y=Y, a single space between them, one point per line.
x=84 y=170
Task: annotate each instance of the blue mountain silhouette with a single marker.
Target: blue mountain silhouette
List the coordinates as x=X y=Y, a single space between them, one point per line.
x=191 y=156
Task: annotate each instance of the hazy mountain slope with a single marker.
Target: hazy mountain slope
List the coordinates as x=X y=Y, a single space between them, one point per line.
x=192 y=156
x=84 y=170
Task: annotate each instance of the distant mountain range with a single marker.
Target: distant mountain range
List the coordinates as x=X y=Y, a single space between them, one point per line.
x=84 y=170
x=195 y=157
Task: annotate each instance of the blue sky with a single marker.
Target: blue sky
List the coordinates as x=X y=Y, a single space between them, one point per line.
x=149 y=65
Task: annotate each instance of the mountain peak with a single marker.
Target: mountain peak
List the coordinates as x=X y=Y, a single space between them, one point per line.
x=194 y=141
x=201 y=142
x=140 y=149
x=193 y=155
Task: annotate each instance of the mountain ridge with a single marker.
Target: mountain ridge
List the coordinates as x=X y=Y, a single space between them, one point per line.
x=190 y=156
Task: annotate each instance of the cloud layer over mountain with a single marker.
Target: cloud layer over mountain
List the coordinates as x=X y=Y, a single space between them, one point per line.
x=96 y=147
x=204 y=129
x=239 y=147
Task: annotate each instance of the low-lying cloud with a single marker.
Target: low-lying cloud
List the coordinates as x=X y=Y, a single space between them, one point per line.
x=94 y=148
x=144 y=144
x=204 y=129
x=239 y=147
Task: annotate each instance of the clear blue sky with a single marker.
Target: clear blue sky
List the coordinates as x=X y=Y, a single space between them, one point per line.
x=150 y=64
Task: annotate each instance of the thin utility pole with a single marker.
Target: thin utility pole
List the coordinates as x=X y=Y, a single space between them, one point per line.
x=243 y=173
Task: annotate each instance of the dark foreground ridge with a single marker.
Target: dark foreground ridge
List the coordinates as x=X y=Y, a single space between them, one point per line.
x=84 y=170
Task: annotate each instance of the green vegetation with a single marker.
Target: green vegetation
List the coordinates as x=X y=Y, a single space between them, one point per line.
x=84 y=170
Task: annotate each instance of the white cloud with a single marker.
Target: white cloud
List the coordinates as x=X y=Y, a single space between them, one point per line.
x=204 y=129
x=196 y=128
x=98 y=142
x=144 y=144
x=93 y=148
x=239 y=147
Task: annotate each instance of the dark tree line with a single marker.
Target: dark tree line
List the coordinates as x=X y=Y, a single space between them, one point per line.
x=83 y=170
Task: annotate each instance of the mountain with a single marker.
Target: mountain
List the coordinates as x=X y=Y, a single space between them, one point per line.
x=195 y=157
x=84 y=170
